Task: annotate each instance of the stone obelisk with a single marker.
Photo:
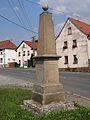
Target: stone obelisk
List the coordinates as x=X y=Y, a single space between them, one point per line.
x=49 y=90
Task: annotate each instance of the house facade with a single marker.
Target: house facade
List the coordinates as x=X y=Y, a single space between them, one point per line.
x=24 y=52
x=73 y=45
x=7 y=53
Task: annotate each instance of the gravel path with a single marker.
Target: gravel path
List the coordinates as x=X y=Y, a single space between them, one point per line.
x=10 y=81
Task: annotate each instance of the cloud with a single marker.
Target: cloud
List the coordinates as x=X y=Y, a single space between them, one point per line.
x=70 y=7
x=79 y=9
x=16 y=8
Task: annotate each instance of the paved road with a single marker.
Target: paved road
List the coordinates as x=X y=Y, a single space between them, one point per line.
x=78 y=83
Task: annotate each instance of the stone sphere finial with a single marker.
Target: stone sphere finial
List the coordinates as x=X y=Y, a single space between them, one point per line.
x=45 y=6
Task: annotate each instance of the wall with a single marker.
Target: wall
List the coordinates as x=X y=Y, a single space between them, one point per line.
x=26 y=57
x=89 y=48
x=1 y=56
x=8 y=56
x=81 y=50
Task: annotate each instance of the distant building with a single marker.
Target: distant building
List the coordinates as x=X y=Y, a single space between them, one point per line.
x=7 y=53
x=73 y=45
x=24 y=51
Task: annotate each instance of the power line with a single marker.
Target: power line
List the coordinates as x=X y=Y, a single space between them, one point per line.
x=49 y=7
x=60 y=11
x=33 y=2
x=12 y=3
x=24 y=12
x=17 y=24
x=18 y=13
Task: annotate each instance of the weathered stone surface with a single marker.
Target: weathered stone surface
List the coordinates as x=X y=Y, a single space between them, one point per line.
x=41 y=109
x=50 y=90
x=47 y=93
x=71 y=98
x=46 y=39
x=48 y=98
x=47 y=71
x=45 y=88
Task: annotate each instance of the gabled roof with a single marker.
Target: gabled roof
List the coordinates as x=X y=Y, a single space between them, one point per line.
x=29 y=43
x=82 y=26
x=7 y=44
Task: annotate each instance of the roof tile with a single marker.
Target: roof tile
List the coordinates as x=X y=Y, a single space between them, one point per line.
x=84 y=27
x=29 y=43
x=7 y=44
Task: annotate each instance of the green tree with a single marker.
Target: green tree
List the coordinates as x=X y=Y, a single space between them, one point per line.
x=31 y=62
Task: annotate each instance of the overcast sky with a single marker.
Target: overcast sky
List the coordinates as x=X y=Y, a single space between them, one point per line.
x=28 y=16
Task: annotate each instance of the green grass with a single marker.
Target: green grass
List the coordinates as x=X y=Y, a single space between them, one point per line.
x=11 y=99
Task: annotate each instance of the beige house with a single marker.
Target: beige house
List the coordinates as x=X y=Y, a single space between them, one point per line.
x=24 y=52
x=73 y=45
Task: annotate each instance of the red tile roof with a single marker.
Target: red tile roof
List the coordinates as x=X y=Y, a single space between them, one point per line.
x=84 y=27
x=7 y=44
x=29 y=43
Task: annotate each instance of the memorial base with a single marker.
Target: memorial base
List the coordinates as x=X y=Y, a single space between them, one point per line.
x=48 y=93
x=37 y=108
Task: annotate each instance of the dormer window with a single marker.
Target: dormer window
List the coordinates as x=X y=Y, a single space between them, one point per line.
x=74 y=44
x=65 y=45
x=23 y=45
x=69 y=31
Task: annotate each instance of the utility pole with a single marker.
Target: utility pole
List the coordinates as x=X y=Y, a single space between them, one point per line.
x=33 y=45
x=4 y=57
x=22 y=58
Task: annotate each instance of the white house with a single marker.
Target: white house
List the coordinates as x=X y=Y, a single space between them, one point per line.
x=24 y=51
x=73 y=45
x=7 y=53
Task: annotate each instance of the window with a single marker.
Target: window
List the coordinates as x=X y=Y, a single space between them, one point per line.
x=68 y=25
x=1 y=53
x=66 y=60
x=8 y=59
x=23 y=53
x=89 y=63
x=19 y=62
x=28 y=53
x=74 y=44
x=88 y=37
x=1 y=60
x=13 y=59
x=69 y=31
x=65 y=45
x=23 y=45
x=19 y=54
x=75 y=59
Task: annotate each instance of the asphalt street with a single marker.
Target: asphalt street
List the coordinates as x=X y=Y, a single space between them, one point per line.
x=78 y=83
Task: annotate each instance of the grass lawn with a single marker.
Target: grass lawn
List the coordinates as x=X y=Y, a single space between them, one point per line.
x=11 y=98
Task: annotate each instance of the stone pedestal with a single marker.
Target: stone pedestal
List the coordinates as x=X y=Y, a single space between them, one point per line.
x=49 y=90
